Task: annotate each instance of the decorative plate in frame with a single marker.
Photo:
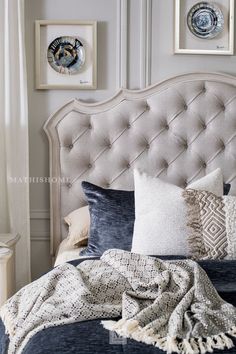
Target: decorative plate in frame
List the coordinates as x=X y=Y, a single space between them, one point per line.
x=66 y=55
x=205 y=20
x=197 y=21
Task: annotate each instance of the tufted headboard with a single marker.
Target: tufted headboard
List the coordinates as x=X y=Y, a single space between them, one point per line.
x=179 y=129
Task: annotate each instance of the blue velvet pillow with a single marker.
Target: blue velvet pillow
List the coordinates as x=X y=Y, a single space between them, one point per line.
x=112 y=219
x=227 y=187
x=112 y=216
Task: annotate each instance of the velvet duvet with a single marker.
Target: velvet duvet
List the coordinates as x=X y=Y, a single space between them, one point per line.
x=90 y=337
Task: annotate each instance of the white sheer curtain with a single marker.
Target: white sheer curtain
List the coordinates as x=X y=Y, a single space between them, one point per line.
x=14 y=154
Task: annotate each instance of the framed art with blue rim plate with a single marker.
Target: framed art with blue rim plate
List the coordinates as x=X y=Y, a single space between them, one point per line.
x=204 y=27
x=66 y=54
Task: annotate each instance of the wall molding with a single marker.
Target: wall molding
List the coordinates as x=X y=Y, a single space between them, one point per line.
x=39 y=234
x=145 y=42
x=40 y=239
x=42 y=236
x=39 y=214
x=122 y=43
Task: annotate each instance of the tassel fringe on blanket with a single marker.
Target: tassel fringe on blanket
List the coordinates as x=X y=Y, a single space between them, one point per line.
x=169 y=304
x=8 y=322
x=131 y=329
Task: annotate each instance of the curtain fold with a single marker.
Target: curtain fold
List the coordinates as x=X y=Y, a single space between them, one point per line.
x=14 y=149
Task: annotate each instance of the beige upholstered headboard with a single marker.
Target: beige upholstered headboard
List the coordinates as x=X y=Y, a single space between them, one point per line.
x=179 y=129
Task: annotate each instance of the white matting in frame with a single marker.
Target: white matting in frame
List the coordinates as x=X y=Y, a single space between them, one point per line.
x=187 y=43
x=48 y=78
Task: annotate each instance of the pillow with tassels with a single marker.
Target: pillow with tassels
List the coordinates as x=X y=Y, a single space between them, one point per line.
x=211 y=221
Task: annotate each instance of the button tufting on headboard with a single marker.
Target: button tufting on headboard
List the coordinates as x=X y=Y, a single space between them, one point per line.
x=178 y=130
x=185 y=144
x=165 y=164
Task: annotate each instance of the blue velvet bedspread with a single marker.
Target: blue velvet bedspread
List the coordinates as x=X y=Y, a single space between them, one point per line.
x=90 y=337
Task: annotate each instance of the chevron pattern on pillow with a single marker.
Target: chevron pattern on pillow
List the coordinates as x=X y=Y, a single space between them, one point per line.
x=212 y=224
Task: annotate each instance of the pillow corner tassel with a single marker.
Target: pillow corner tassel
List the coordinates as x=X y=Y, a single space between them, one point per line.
x=195 y=239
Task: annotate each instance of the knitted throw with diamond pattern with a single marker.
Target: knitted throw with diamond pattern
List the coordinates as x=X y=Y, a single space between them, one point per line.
x=169 y=304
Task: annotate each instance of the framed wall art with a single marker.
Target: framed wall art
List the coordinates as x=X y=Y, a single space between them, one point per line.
x=66 y=54
x=204 y=27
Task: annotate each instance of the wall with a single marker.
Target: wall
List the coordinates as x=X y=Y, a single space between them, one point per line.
x=135 y=48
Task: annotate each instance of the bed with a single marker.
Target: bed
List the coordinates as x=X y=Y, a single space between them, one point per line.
x=179 y=129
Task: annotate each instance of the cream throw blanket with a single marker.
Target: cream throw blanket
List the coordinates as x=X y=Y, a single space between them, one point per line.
x=170 y=304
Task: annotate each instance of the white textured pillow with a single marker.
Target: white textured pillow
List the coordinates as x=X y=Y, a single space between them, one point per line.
x=160 y=213
x=79 y=226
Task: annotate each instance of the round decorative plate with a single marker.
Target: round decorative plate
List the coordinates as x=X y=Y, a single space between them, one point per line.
x=66 y=55
x=205 y=20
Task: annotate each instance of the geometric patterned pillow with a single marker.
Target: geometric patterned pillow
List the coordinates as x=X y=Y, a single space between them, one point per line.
x=212 y=225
